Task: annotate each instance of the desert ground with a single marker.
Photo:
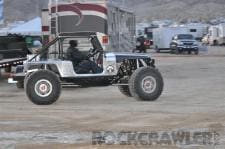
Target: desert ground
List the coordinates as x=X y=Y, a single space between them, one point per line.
x=192 y=100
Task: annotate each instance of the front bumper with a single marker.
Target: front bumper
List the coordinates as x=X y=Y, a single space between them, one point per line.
x=187 y=48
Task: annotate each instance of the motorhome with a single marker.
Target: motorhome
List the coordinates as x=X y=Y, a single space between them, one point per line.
x=162 y=37
x=198 y=30
x=111 y=21
x=216 y=35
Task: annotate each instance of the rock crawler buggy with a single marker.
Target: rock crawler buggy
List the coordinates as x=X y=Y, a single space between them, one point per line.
x=134 y=74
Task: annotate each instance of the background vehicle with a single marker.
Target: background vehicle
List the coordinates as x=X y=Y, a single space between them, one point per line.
x=134 y=74
x=14 y=49
x=184 y=42
x=198 y=30
x=113 y=23
x=217 y=35
x=162 y=37
x=205 y=40
x=141 y=45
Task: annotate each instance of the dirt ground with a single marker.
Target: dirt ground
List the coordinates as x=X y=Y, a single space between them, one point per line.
x=193 y=100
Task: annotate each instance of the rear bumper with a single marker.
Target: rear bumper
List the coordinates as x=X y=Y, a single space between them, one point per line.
x=16 y=78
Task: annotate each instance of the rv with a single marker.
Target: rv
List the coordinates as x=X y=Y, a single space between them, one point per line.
x=162 y=37
x=198 y=30
x=113 y=23
x=217 y=35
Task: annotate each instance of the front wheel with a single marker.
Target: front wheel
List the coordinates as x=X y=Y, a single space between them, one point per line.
x=43 y=87
x=196 y=52
x=146 y=84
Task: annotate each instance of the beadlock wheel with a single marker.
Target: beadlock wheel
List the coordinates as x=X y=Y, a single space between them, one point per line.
x=149 y=84
x=146 y=84
x=43 y=88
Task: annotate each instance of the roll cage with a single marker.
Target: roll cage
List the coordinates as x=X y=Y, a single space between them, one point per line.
x=97 y=48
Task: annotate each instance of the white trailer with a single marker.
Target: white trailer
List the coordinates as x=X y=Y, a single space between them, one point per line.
x=113 y=24
x=198 y=30
x=162 y=37
x=217 y=35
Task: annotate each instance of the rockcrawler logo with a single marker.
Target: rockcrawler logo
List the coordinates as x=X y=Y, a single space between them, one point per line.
x=177 y=138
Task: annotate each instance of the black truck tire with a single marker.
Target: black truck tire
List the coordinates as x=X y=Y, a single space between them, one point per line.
x=43 y=87
x=197 y=52
x=146 y=84
x=125 y=90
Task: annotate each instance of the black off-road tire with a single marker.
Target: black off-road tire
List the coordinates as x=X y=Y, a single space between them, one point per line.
x=33 y=80
x=125 y=90
x=136 y=80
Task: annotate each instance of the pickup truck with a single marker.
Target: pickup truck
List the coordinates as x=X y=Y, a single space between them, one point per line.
x=184 y=42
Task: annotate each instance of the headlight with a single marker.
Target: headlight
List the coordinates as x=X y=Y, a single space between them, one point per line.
x=179 y=43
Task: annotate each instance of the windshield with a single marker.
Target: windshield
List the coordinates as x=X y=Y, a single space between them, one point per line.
x=185 y=36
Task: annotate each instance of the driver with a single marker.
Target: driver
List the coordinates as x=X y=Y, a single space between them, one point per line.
x=81 y=62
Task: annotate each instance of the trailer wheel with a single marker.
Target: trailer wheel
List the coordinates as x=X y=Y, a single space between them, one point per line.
x=146 y=84
x=43 y=87
x=125 y=90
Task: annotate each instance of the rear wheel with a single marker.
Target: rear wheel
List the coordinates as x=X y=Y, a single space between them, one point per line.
x=125 y=90
x=43 y=87
x=146 y=84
